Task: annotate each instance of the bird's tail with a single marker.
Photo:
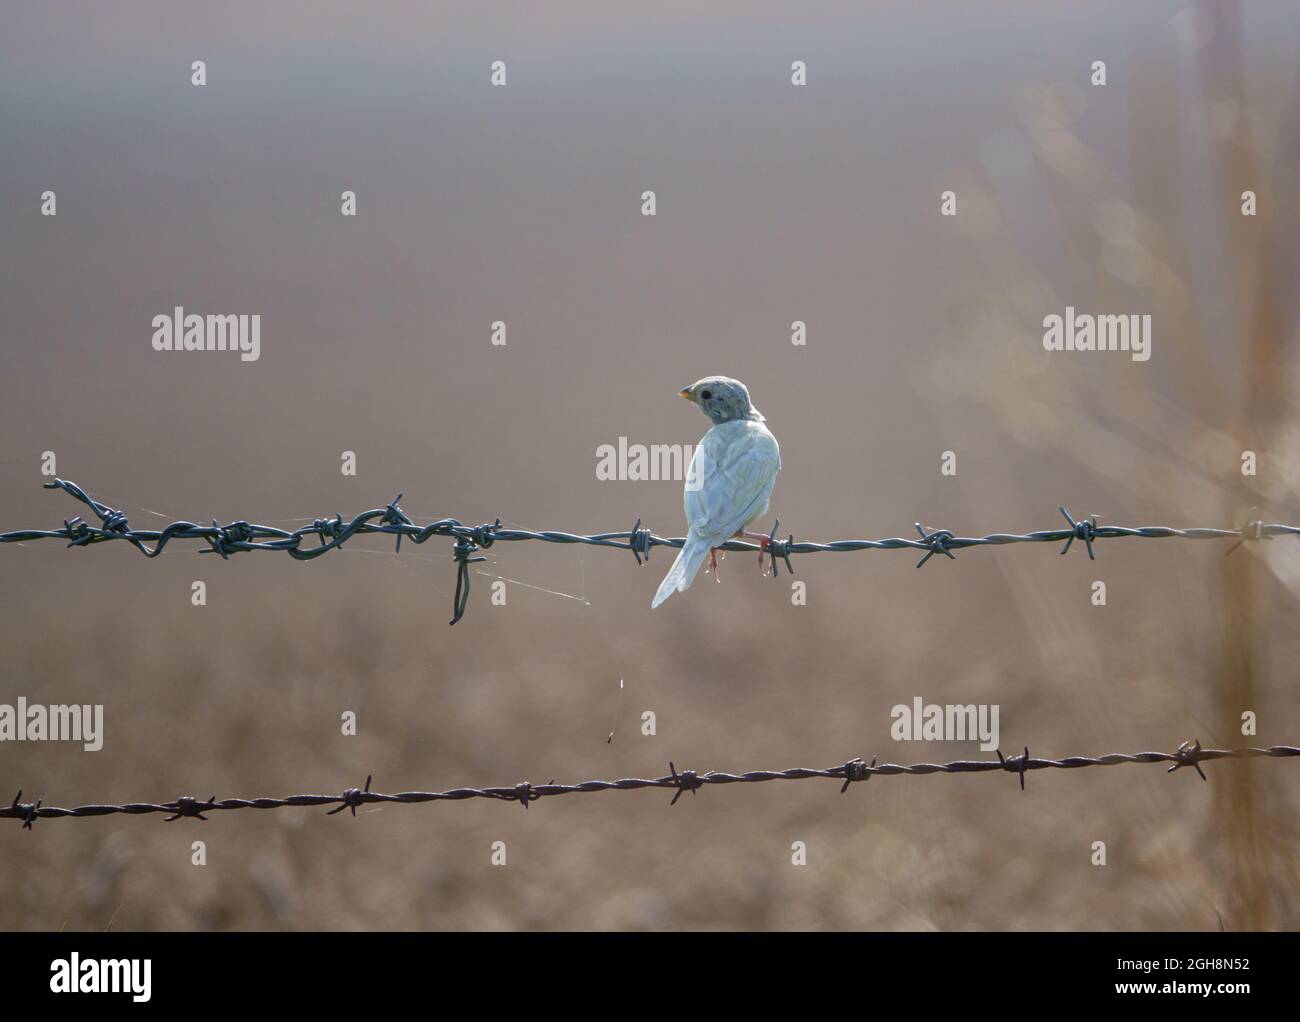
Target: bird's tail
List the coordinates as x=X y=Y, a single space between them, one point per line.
x=684 y=569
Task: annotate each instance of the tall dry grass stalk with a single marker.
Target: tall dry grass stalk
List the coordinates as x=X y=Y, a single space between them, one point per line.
x=1221 y=394
x=1246 y=807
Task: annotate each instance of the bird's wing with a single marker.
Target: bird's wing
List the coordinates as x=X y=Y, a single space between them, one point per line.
x=730 y=481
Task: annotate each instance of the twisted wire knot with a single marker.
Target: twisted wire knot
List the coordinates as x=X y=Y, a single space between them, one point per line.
x=856 y=770
x=327 y=528
x=352 y=798
x=461 y=552
x=25 y=811
x=687 y=780
x=239 y=532
x=1016 y=764
x=937 y=542
x=1251 y=532
x=1085 y=529
x=638 y=541
x=394 y=515
x=78 y=531
x=485 y=535
x=228 y=538
x=115 y=522
x=524 y=793
x=1188 y=754
x=780 y=548
x=188 y=805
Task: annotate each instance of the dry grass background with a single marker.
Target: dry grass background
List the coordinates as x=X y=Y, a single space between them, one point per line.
x=774 y=205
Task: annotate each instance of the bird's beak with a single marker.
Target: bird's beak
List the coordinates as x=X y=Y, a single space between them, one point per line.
x=686 y=394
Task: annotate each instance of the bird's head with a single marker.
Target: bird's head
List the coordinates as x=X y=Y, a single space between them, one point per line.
x=722 y=399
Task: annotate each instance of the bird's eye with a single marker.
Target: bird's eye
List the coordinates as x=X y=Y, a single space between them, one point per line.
x=706 y=395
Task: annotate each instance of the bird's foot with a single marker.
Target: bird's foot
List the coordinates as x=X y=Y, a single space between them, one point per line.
x=713 y=562
x=763 y=543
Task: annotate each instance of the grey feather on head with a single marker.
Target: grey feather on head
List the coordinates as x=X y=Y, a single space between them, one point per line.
x=722 y=399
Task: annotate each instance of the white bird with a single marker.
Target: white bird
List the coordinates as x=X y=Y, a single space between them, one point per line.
x=729 y=481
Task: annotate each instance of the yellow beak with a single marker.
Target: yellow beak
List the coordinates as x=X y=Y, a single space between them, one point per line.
x=686 y=394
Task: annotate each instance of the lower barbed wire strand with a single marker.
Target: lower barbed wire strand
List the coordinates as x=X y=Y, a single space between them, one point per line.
x=1189 y=754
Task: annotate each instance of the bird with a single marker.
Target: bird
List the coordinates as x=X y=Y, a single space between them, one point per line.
x=729 y=481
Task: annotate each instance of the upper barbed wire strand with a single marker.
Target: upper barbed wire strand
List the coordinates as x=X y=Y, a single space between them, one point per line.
x=240 y=536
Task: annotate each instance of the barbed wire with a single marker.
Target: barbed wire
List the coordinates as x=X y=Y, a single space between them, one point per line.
x=1188 y=754
x=239 y=536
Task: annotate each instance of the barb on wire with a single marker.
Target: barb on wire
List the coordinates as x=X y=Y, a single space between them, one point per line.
x=1188 y=754
x=237 y=537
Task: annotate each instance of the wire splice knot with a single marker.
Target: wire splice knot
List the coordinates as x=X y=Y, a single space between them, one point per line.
x=327 y=529
x=115 y=523
x=78 y=532
x=485 y=535
x=228 y=539
x=461 y=551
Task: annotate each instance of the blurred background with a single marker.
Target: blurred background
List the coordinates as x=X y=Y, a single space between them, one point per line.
x=775 y=204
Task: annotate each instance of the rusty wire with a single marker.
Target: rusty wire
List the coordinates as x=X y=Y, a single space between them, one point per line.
x=1188 y=754
x=239 y=536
